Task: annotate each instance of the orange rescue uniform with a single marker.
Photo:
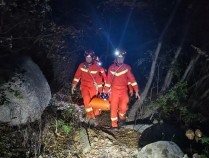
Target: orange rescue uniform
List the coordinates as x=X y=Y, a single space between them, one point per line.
x=118 y=78
x=90 y=85
x=102 y=80
x=103 y=74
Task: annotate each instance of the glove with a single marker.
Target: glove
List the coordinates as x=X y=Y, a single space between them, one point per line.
x=137 y=95
x=131 y=93
x=73 y=89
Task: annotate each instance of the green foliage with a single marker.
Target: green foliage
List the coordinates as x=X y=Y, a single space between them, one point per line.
x=205 y=140
x=3 y=99
x=173 y=104
x=67 y=128
x=67 y=115
x=203 y=156
x=18 y=94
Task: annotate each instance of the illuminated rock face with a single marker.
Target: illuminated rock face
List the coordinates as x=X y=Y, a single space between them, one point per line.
x=161 y=149
x=25 y=95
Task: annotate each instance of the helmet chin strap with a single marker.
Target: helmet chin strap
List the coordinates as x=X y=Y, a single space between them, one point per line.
x=88 y=64
x=118 y=64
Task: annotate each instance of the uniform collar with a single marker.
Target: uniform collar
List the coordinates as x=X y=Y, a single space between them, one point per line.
x=87 y=65
x=119 y=64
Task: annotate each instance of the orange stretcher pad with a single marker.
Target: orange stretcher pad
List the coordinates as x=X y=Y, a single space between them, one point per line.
x=100 y=103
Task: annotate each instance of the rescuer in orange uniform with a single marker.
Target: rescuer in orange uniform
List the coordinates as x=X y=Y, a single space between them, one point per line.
x=88 y=73
x=102 y=70
x=103 y=78
x=118 y=77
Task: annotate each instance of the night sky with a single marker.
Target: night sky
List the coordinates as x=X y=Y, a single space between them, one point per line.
x=107 y=25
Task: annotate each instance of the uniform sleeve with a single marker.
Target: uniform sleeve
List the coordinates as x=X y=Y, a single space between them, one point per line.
x=130 y=87
x=77 y=76
x=104 y=76
x=132 y=80
x=98 y=78
x=99 y=81
x=102 y=79
x=108 y=82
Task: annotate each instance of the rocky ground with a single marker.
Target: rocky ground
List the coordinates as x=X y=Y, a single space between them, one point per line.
x=93 y=143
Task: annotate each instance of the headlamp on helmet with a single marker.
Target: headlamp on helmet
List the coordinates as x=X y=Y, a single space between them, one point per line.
x=96 y=59
x=89 y=53
x=120 y=53
x=117 y=52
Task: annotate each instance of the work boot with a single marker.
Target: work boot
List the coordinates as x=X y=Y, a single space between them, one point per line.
x=86 y=120
x=93 y=123
x=114 y=128
x=121 y=122
x=98 y=117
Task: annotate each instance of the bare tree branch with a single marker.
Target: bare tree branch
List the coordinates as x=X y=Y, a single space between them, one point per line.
x=202 y=53
x=137 y=105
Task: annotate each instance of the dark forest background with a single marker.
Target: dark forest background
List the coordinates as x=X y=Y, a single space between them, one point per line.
x=166 y=43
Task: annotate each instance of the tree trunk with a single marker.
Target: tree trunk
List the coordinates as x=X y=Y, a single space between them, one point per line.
x=199 y=93
x=169 y=74
x=137 y=105
x=190 y=67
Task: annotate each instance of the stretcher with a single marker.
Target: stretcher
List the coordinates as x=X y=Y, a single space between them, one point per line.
x=100 y=103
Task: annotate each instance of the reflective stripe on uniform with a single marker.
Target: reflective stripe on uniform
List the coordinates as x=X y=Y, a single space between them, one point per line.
x=85 y=70
x=134 y=84
x=114 y=118
x=119 y=73
x=122 y=114
x=88 y=109
x=75 y=79
x=99 y=85
x=107 y=85
x=93 y=72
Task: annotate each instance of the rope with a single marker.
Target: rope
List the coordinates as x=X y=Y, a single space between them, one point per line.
x=95 y=84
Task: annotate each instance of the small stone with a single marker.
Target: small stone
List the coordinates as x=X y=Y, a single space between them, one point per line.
x=85 y=150
x=76 y=138
x=196 y=155
x=185 y=156
x=106 y=140
x=155 y=121
x=95 y=139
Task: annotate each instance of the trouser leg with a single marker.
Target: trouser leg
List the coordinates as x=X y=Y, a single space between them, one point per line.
x=114 y=109
x=97 y=111
x=87 y=94
x=123 y=105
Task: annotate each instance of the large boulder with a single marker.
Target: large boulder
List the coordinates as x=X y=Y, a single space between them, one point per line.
x=25 y=96
x=161 y=149
x=164 y=132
